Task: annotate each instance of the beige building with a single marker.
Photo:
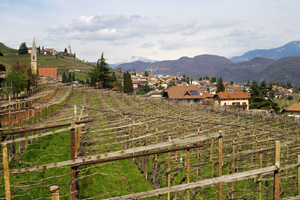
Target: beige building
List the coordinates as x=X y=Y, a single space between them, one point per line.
x=234 y=99
x=293 y=110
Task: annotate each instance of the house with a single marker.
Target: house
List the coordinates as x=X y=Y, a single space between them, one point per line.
x=154 y=94
x=137 y=85
x=293 y=110
x=48 y=72
x=185 y=93
x=235 y=99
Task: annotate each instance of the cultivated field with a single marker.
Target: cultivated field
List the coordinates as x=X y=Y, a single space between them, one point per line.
x=144 y=148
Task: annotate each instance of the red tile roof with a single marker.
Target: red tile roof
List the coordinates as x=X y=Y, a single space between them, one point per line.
x=184 y=92
x=233 y=95
x=294 y=107
x=208 y=95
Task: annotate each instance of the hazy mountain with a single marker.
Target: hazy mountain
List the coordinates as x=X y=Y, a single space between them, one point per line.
x=244 y=71
x=288 y=50
x=282 y=70
x=194 y=67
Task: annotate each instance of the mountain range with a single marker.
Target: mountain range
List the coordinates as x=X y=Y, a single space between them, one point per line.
x=274 y=66
x=288 y=50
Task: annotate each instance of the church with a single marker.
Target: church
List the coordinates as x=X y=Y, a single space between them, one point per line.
x=34 y=63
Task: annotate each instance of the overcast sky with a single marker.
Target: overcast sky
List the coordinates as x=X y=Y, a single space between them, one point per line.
x=155 y=29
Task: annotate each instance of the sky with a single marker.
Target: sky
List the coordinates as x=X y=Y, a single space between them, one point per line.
x=155 y=29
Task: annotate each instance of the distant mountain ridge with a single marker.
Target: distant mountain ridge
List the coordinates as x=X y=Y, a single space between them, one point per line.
x=282 y=70
x=288 y=50
x=198 y=66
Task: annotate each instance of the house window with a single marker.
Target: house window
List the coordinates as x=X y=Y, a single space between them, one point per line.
x=224 y=104
x=238 y=103
x=244 y=104
x=233 y=103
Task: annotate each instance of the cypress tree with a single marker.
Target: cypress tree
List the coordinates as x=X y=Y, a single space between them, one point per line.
x=73 y=76
x=64 y=78
x=220 y=86
x=69 y=78
x=128 y=86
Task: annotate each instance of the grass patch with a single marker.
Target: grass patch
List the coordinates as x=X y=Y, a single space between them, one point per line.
x=7 y=50
x=78 y=76
x=45 y=61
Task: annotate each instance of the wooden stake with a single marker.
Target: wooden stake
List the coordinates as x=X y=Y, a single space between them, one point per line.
x=54 y=190
x=277 y=172
x=73 y=169
x=260 y=177
x=233 y=168
x=298 y=176
x=220 y=165
x=188 y=171
x=169 y=168
x=6 y=171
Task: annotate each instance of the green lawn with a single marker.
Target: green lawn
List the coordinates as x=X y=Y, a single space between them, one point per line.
x=78 y=76
x=6 y=50
x=47 y=61
x=286 y=103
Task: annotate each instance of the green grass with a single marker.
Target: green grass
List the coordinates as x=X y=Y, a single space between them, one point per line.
x=6 y=50
x=78 y=76
x=48 y=149
x=286 y=103
x=114 y=178
x=46 y=61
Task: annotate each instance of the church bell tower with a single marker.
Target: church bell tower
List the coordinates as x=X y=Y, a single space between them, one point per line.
x=34 y=58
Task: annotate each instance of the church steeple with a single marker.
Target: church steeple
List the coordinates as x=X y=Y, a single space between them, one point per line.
x=34 y=58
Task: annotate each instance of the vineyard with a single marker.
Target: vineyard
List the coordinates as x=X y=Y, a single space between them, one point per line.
x=82 y=143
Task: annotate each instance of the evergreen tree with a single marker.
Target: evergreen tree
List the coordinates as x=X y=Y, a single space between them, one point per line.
x=220 y=85
x=261 y=96
x=23 y=49
x=73 y=76
x=146 y=73
x=145 y=89
x=70 y=78
x=101 y=73
x=1 y=54
x=64 y=78
x=160 y=87
x=213 y=79
x=289 y=85
x=170 y=84
x=128 y=86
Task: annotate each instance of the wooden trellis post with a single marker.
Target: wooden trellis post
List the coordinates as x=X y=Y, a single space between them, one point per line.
x=73 y=169
x=220 y=164
x=298 y=176
x=6 y=171
x=54 y=190
x=260 y=176
x=169 y=168
x=233 y=168
x=277 y=172
x=188 y=171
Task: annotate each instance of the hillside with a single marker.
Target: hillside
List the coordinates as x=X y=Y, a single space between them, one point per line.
x=288 y=50
x=194 y=67
x=282 y=70
x=285 y=70
x=47 y=61
x=6 y=50
x=244 y=71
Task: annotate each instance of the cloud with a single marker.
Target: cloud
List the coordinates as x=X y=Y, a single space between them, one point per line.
x=111 y=27
x=147 y=45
